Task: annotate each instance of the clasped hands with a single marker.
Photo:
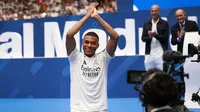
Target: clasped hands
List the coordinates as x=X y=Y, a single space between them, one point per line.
x=181 y=33
x=91 y=11
x=151 y=34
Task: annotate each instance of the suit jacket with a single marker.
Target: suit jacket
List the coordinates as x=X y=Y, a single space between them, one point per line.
x=189 y=27
x=162 y=36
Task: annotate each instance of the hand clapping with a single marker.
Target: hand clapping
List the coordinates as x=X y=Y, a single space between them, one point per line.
x=92 y=9
x=151 y=34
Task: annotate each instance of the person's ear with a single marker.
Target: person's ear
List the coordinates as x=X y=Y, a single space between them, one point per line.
x=97 y=45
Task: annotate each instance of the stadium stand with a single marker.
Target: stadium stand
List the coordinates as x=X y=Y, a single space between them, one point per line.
x=29 y=9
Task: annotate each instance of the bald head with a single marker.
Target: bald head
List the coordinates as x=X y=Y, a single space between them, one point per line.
x=180 y=11
x=155 y=11
x=180 y=15
x=155 y=7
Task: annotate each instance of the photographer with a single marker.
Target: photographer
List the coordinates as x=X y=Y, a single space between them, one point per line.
x=159 y=91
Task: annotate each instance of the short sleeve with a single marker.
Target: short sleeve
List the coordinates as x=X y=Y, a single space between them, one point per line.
x=74 y=55
x=104 y=54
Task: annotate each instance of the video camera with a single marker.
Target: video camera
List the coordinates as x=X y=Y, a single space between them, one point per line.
x=193 y=50
x=173 y=61
x=135 y=77
x=176 y=57
x=173 y=66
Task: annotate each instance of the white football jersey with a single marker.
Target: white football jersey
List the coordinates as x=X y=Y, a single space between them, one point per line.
x=88 y=81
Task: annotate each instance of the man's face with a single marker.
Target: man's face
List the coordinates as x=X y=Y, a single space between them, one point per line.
x=155 y=12
x=90 y=45
x=180 y=16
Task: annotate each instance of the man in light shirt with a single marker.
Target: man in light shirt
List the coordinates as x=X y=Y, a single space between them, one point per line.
x=88 y=70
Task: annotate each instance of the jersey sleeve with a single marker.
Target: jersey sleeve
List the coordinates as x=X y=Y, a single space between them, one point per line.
x=105 y=56
x=74 y=55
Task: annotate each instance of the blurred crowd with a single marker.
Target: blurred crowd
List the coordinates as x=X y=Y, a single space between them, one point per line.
x=28 y=9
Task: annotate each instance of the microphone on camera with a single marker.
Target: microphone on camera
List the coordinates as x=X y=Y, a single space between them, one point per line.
x=173 y=56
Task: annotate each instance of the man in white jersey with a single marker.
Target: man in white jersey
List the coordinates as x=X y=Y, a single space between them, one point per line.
x=88 y=70
x=155 y=35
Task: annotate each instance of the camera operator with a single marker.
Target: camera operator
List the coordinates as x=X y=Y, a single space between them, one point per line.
x=159 y=91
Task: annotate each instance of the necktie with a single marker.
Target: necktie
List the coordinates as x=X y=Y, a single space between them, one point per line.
x=182 y=25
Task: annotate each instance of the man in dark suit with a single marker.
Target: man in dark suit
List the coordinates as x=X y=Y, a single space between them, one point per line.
x=178 y=30
x=155 y=35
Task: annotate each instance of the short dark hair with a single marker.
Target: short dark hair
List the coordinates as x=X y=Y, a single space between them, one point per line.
x=159 y=91
x=92 y=34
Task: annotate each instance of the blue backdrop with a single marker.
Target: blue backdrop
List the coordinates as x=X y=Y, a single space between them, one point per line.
x=49 y=77
x=146 y=4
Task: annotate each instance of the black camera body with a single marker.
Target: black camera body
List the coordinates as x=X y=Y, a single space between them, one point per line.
x=134 y=77
x=173 y=66
x=193 y=50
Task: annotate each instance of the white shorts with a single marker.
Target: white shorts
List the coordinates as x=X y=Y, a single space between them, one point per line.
x=74 y=110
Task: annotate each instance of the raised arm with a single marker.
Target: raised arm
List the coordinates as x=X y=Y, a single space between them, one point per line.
x=112 y=43
x=70 y=40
